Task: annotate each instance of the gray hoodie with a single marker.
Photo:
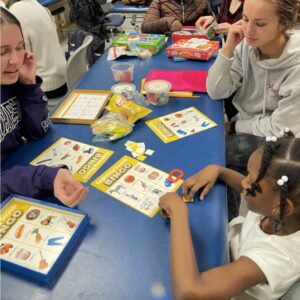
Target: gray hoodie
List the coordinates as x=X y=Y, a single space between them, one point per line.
x=267 y=91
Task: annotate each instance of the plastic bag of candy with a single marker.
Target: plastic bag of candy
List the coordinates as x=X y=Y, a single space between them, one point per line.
x=128 y=109
x=111 y=126
x=115 y=52
x=139 y=52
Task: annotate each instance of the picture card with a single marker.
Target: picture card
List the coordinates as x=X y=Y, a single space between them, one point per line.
x=82 y=160
x=180 y=124
x=136 y=184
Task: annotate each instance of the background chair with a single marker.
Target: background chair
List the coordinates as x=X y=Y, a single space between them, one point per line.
x=113 y=22
x=76 y=67
x=77 y=64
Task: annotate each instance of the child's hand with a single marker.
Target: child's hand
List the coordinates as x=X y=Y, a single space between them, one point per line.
x=28 y=69
x=67 y=189
x=204 y=22
x=234 y=37
x=176 y=26
x=205 y=179
x=169 y=204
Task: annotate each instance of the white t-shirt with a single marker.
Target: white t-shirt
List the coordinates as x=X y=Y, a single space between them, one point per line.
x=277 y=256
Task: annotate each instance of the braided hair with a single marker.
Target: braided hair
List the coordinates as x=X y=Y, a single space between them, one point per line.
x=280 y=158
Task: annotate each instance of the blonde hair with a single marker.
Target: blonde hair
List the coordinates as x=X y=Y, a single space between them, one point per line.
x=288 y=12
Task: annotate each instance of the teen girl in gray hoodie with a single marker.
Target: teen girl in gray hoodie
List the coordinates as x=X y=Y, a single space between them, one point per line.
x=260 y=61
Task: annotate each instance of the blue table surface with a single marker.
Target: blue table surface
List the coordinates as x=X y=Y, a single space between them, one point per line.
x=128 y=8
x=124 y=253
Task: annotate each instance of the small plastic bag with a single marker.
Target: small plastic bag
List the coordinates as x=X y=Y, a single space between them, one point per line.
x=115 y=52
x=127 y=108
x=110 y=127
x=139 y=52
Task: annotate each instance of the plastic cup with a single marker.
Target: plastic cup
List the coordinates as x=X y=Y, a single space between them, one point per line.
x=157 y=91
x=122 y=72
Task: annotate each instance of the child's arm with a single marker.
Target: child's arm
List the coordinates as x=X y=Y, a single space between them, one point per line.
x=188 y=283
x=207 y=177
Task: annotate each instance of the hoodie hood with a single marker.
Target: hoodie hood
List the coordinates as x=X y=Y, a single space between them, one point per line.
x=289 y=57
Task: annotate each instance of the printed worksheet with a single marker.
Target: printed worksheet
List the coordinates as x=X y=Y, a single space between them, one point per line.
x=136 y=184
x=82 y=160
x=35 y=234
x=81 y=106
x=180 y=124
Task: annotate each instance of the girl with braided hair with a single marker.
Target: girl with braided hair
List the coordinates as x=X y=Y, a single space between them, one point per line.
x=264 y=246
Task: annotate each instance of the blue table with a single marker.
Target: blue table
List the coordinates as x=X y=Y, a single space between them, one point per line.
x=124 y=253
x=126 y=8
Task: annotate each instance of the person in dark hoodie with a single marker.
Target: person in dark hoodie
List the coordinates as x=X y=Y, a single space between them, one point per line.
x=24 y=115
x=168 y=16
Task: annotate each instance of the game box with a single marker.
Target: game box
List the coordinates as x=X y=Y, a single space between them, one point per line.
x=193 y=48
x=152 y=42
x=37 y=237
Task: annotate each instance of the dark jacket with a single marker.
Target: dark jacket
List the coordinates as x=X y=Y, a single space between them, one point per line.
x=24 y=114
x=162 y=13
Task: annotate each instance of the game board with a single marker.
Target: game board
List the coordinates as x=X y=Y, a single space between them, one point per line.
x=36 y=236
x=180 y=124
x=81 y=107
x=82 y=160
x=136 y=184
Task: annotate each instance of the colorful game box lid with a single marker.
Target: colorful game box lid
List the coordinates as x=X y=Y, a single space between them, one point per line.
x=37 y=237
x=193 y=48
x=152 y=42
x=186 y=33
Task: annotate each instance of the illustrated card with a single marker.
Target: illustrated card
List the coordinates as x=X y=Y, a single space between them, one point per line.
x=81 y=107
x=82 y=160
x=34 y=235
x=180 y=124
x=136 y=184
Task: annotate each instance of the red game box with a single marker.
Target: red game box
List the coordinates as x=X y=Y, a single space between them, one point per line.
x=187 y=33
x=194 y=48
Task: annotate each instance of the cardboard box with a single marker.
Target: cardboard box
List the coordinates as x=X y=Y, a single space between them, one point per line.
x=194 y=48
x=152 y=42
x=187 y=33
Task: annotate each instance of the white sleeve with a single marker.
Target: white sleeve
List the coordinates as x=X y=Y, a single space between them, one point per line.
x=278 y=260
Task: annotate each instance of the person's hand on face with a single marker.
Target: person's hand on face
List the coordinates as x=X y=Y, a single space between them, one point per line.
x=27 y=70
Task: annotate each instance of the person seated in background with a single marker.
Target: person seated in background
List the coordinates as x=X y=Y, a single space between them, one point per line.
x=230 y=12
x=24 y=116
x=40 y=36
x=170 y=15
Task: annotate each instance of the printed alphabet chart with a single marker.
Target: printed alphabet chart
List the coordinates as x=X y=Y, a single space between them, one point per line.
x=180 y=124
x=36 y=236
x=81 y=106
x=136 y=184
x=82 y=160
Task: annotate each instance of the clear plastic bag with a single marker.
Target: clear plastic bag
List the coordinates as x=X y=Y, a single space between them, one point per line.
x=111 y=126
